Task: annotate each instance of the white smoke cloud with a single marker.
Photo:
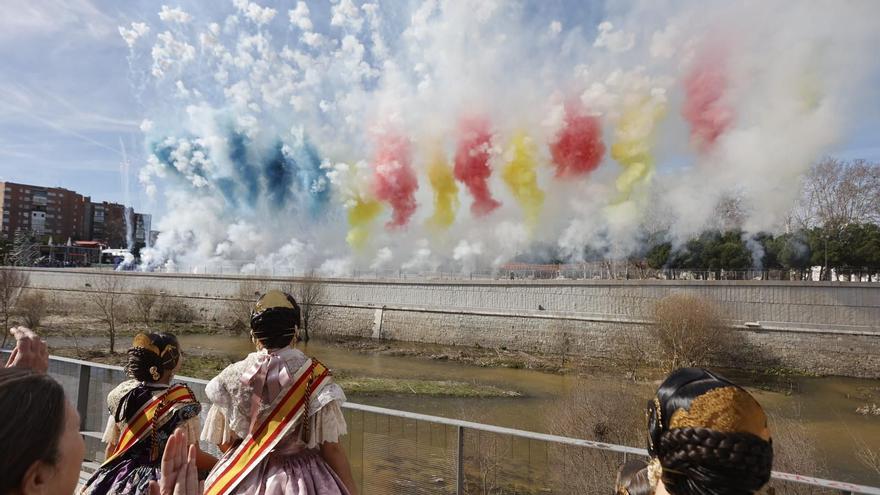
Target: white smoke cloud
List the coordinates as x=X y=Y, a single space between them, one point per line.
x=130 y=36
x=176 y=14
x=258 y=88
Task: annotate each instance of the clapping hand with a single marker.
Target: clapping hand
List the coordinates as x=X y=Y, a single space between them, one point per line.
x=179 y=474
x=30 y=351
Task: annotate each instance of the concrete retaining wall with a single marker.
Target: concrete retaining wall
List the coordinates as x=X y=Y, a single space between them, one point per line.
x=829 y=328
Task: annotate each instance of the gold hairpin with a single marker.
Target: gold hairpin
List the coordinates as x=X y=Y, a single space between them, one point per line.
x=143 y=341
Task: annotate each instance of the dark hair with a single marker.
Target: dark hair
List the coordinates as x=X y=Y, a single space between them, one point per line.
x=142 y=359
x=275 y=327
x=633 y=479
x=703 y=461
x=32 y=409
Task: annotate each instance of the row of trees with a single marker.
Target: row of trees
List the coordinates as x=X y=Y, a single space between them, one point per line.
x=853 y=247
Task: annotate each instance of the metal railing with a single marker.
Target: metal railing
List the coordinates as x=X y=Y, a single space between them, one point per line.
x=607 y=270
x=395 y=452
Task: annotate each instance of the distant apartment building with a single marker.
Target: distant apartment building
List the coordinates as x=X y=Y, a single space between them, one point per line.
x=61 y=214
x=49 y=212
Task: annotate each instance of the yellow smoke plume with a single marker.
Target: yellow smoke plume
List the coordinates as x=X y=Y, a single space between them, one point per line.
x=634 y=142
x=361 y=214
x=445 y=189
x=520 y=176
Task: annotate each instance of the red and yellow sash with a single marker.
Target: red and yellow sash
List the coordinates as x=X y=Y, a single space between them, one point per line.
x=228 y=474
x=139 y=427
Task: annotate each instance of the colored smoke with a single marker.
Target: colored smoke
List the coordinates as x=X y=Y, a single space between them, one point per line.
x=442 y=179
x=260 y=125
x=472 y=164
x=360 y=215
x=521 y=178
x=577 y=149
x=394 y=180
x=704 y=106
x=634 y=142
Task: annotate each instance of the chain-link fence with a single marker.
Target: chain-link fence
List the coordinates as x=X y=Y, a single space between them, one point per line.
x=397 y=452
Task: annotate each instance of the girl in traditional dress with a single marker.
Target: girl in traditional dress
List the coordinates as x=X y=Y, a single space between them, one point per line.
x=144 y=412
x=707 y=436
x=276 y=415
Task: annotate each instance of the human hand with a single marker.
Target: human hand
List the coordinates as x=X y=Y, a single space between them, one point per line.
x=30 y=351
x=179 y=475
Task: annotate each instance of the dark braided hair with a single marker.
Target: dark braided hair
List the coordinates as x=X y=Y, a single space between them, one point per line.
x=275 y=319
x=146 y=365
x=703 y=461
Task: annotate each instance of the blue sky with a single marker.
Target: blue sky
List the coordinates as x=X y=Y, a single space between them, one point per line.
x=67 y=107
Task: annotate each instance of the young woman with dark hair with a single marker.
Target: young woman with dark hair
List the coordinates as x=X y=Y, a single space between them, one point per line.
x=42 y=448
x=276 y=415
x=144 y=411
x=707 y=436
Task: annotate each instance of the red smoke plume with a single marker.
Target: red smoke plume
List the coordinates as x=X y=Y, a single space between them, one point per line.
x=578 y=148
x=472 y=163
x=395 y=180
x=704 y=108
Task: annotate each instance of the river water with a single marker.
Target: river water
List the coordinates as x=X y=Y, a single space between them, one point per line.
x=825 y=406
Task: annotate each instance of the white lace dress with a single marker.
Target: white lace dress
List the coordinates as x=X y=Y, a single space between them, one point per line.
x=293 y=467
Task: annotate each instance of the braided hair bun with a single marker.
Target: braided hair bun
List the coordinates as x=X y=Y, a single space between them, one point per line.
x=151 y=356
x=709 y=435
x=275 y=319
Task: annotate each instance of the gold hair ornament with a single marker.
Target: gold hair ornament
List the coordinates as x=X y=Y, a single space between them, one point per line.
x=272 y=299
x=143 y=341
x=655 y=472
x=726 y=409
x=154 y=372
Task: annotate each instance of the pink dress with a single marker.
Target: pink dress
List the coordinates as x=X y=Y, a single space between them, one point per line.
x=293 y=467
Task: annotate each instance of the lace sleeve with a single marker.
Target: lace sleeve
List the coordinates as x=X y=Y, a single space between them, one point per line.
x=327 y=425
x=111 y=432
x=216 y=429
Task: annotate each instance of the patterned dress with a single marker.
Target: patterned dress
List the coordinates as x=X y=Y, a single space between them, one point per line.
x=293 y=467
x=131 y=472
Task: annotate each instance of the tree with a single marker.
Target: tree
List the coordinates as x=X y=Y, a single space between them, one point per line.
x=32 y=307
x=144 y=301
x=24 y=249
x=658 y=256
x=689 y=330
x=107 y=300
x=12 y=282
x=310 y=294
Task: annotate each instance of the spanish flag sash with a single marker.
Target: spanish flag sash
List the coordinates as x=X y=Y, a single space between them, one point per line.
x=152 y=413
x=253 y=449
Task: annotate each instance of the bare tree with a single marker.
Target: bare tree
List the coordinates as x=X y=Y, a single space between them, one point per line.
x=32 y=307
x=107 y=299
x=238 y=310
x=838 y=193
x=11 y=283
x=144 y=301
x=311 y=295
x=689 y=330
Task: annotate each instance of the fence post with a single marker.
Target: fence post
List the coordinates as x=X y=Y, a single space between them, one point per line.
x=82 y=395
x=459 y=461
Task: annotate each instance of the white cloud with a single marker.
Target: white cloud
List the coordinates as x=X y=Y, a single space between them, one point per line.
x=555 y=28
x=73 y=17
